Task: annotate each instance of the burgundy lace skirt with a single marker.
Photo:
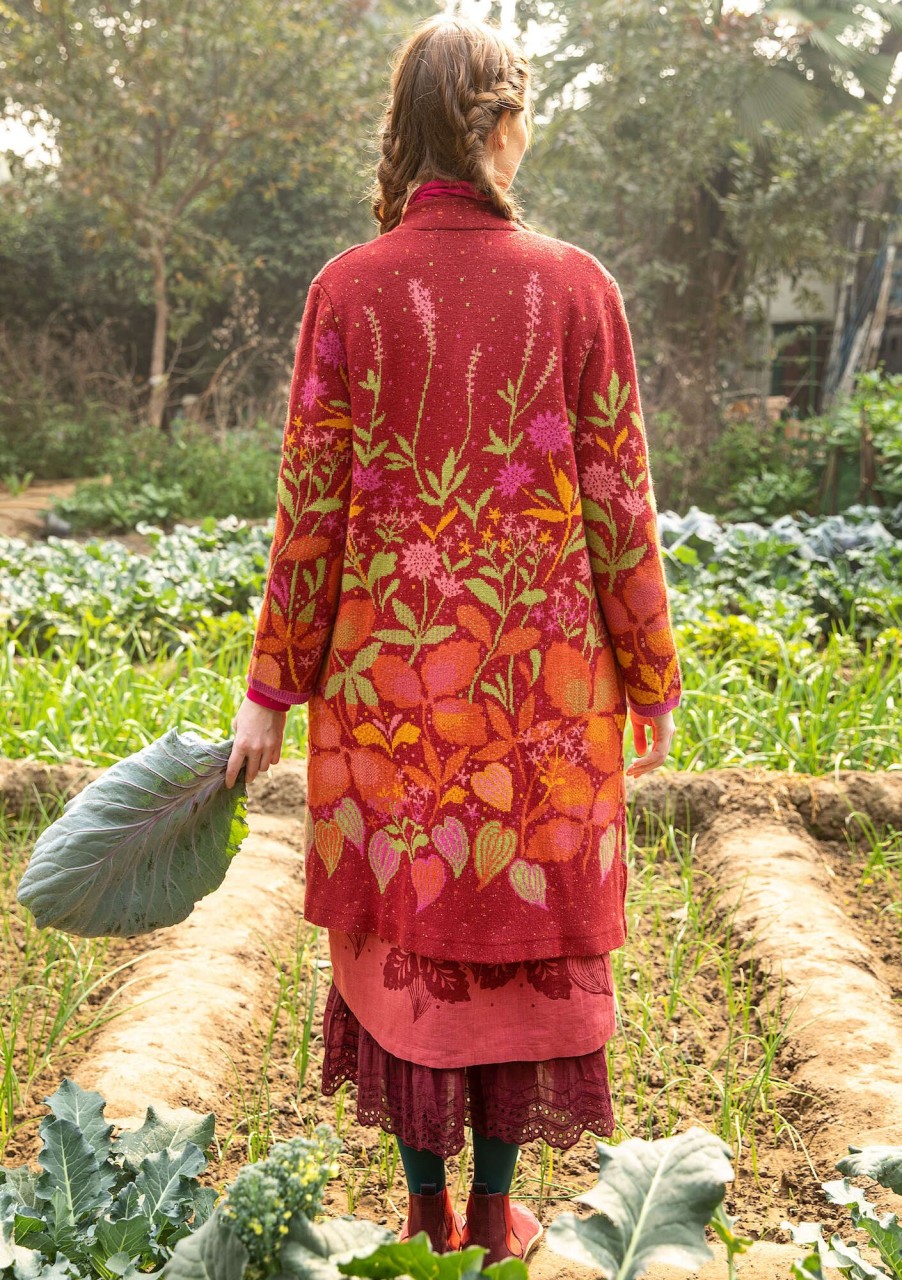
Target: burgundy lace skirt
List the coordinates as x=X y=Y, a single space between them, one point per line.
x=428 y=1107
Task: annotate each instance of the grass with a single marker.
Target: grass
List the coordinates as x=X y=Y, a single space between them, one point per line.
x=56 y=990
x=789 y=708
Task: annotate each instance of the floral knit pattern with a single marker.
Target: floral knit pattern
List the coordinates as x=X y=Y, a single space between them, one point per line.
x=466 y=584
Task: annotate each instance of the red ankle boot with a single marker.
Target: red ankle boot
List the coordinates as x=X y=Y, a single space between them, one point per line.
x=432 y=1211
x=506 y=1229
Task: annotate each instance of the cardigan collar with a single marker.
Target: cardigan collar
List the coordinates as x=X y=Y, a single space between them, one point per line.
x=459 y=208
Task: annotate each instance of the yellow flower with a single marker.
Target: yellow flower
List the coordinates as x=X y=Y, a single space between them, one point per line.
x=464 y=547
x=487 y=535
x=544 y=536
x=494 y=514
x=504 y=544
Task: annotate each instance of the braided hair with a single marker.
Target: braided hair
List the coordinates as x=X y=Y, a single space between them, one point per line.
x=451 y=81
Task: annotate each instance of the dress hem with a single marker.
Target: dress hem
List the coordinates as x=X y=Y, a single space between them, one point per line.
x=518 y=949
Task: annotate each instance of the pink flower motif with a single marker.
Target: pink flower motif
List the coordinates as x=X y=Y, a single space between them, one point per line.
x=421 y=560
x=549 y=432
x=601 y=482
x=314 y=387
x=329 y=348
x=634 y=502
x=368 y=478
x=512 y=477
x=423 y=306
x=534 y=294
x=449 y=585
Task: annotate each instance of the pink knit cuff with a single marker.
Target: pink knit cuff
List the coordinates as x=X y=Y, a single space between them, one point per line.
x=659 y=708
x=255 y=696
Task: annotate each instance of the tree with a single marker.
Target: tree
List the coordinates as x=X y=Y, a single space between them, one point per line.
x=161 y=110
x=678 y=120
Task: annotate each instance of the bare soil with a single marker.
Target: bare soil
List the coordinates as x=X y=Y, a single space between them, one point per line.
x=785 y=851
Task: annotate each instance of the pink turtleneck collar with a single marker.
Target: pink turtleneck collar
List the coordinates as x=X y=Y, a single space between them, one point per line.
x=437 y=187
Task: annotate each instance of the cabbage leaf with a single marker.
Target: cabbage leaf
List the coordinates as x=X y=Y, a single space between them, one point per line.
x=137 y=848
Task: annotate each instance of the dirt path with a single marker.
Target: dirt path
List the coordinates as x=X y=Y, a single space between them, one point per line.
x=846 y=1029
x=199 y=996
x=22 y=516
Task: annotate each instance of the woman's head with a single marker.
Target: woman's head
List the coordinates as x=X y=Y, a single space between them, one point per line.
x=459 y=110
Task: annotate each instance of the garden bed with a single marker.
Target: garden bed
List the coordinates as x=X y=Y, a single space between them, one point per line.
x=235 y=1022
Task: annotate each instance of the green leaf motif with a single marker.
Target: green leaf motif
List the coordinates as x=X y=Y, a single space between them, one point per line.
x=435 y=635
x=629 y=559
x=448 y=468
x=382 y=564
x=366 y=657
x=366 y=689
x=485 y=592
x=652 y=1204
x=405 y=615
x=395 y=637
x=286 y=497
x=138 y=846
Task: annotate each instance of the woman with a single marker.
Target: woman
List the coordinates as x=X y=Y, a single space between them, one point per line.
x=466 y=585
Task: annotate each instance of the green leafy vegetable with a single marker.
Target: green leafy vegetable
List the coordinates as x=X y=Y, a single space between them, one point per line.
x=137 y=848
x=93 y=1210
x=884 y=1165
x=652 y=1202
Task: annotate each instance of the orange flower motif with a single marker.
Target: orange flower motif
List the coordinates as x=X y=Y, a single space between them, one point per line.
x=494 y=514
x=487 y=535
x=464 y=547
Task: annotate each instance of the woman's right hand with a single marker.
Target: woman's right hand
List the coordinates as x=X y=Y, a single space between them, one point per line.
x=662 y=730
x=258 y=741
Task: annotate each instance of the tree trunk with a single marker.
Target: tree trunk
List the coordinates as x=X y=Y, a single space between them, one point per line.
x=158 y=376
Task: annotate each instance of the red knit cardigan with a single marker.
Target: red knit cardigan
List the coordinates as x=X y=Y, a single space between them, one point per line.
x=466 y=584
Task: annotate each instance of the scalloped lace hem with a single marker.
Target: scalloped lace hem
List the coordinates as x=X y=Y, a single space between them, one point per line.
x=558 y=1099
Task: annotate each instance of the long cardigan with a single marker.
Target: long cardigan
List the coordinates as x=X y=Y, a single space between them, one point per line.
x=466 y=584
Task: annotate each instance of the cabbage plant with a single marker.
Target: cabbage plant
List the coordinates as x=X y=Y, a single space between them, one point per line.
x=137 y=848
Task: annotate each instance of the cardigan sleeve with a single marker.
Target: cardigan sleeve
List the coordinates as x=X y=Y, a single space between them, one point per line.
x=303 y=583
x=620 y=515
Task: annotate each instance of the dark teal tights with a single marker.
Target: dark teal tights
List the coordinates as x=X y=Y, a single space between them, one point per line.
x=493 y=1164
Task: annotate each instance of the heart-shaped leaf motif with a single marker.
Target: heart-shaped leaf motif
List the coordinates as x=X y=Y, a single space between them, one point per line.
x=495 y=786
x=329 y=843
x=528 y=880
x=607 y=845
x=428 y=876
x=350 y=820
x=451 y=839
x=493 y=849
x=385 y=858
